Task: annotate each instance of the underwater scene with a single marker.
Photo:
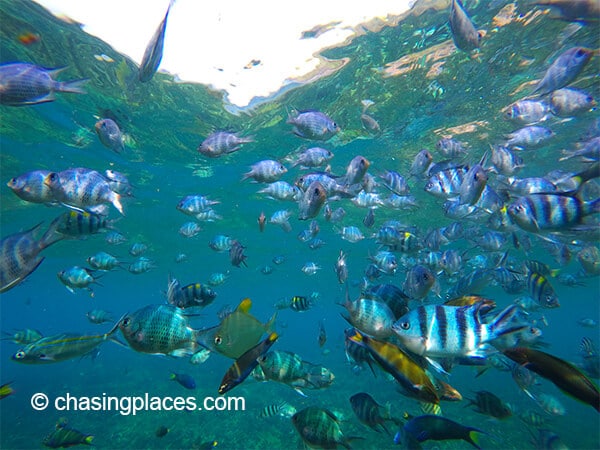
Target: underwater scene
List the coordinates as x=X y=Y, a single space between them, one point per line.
x=400 y=250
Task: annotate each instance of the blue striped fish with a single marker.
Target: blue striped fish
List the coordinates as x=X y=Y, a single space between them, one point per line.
x=446 y=331
x=538 y=212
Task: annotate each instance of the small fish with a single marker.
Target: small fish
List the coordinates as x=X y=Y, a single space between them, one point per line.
x=311 y=268
x=103 y=261
x=421 y=163
x=28 y=38
x=187 y=381
x=110 y=135
x=528 y=111
x=489 y=404
x=313 y=125
x=24 y=337
x=311 y=201
x=319 y=427
x=82 y=223
x=200 y=357
x=193 y=205
x=6 y=390
x=419 y=281
x=161 y=431
x=27 y=84
x=266 y=171
x=313 y=157
x=567 y=102
x=20 y=254
x=63 y=437
x=464 y=34
x=563 y=70
x=30 y=187
x=370 y=412
x=541 y=290
x=77 y=278
x=141 y=265
x=282 y=409
x=245 y=364
x=322 y=335
x=189 y=229
x=341 y=268
x=99 y=316
x=437 y=428
x=262 y=220
x=299 y=303
x=222 y=143
x=61 y=347
x=154 y=51
x=236 y=254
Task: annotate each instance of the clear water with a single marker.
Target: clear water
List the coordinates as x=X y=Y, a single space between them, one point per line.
x=167 y=121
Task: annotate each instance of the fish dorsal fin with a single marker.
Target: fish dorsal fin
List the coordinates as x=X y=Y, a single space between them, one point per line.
x=244 y=306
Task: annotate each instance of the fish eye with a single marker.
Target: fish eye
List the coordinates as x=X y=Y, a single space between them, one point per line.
x=218 y=340
x=42 y=356
x=20 y=354
x=405 y=325
x=580 y=52
x=126 y=321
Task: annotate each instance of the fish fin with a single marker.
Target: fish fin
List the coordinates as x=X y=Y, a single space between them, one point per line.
x=269 y=326
x=473 y=438
x=297 y=389
x=244 y=306
x=116 y=201
x=88 y=440
x=437 y=366
x=181 y=353
x=501 y=325
x=70 y=289
x=75 y=86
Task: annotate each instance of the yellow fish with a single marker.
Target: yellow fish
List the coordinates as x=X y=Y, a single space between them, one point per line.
x=237 y=333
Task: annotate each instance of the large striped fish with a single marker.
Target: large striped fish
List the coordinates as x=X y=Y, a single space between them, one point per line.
x=447 y=331
x=539 y=212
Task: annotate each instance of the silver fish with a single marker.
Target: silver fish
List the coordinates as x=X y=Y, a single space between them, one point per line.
x=27 y=84
x=154 y=51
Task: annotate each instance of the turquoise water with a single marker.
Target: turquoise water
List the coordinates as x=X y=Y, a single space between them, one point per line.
x=165 y=122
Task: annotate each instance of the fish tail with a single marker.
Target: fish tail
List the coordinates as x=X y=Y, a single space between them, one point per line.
x=270 y=327
x=75 y=86
x=501 y=325
x=116 y=201
x=52 y=235
x=473 y=438
x=593 y=207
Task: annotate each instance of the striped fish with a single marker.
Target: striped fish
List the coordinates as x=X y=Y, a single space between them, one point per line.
x=541 y=290
x=444 y=331
x=82 y=188
x=446 y=183
x=282 y=409
x=539 y=212
x=370 y=316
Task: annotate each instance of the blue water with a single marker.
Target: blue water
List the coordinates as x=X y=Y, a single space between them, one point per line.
x=166 y=122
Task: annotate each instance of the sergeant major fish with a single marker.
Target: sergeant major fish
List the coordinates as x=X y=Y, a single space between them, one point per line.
x=27 y=84
x=20 y=254
x=444 y=331
x=110 y=135
x=313 y=125
x=222 y=143
x=464 y=34
x=154 y=51
x=82 y=188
